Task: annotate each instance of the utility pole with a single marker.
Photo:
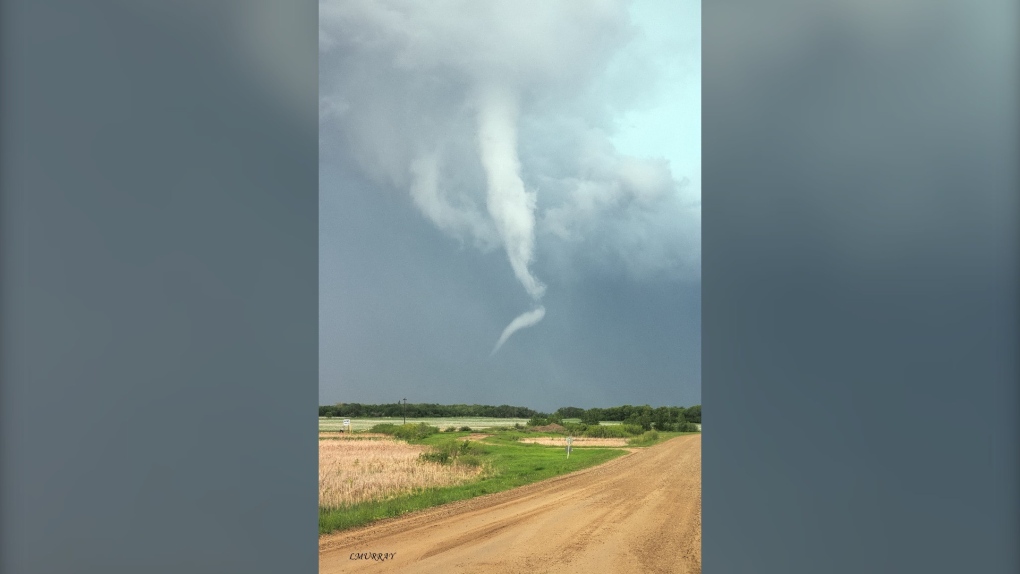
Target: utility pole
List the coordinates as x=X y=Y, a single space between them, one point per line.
x=405 y=411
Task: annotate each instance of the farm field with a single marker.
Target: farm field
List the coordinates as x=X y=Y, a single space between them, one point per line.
x=357 y=471
x=363 y=424
x=640 y=512
x=364 y=479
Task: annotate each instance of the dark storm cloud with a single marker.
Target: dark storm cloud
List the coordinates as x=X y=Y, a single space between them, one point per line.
x=495 y=122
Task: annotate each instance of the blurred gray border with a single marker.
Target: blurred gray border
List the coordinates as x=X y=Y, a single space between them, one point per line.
x=860 y=340
x=159 y=240
x=160 y=287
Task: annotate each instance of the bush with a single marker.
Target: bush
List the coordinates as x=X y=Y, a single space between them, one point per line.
x=465 y=429
x=442 y=457
x=693 y=414
x=687 y=427
x=644 y=421
x=405 y=432
x=469 y=460
x=415 y=431
x=605 y=431
x=575 y=428
x=632 y=430
x=384 y=428
x=469 y=447
x=453 y=450
x=451 y=429
x=645 y=438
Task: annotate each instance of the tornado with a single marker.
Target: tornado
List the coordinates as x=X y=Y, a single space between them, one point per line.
x=523 y=320
x=510 y=205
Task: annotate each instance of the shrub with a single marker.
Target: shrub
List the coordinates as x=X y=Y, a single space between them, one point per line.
x=575 y=428
x=632 y=430
x=600 y=431
x=415 y=431
x=687 y=427
x=453 y=450
x=645 y=438
x=469 y=460
x=693 y=414
x=469 y=447
x=465 y=429
x=384 y=428
x=406 y=432
x=644 y=421
x=451 y=429
x=442 y=457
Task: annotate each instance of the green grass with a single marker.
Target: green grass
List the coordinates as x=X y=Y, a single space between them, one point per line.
x=508 y=464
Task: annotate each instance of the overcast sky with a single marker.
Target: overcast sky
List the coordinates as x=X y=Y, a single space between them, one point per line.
x=510 y=202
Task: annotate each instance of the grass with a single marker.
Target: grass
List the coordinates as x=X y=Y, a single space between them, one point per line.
x=501 y=463
x=363 y=424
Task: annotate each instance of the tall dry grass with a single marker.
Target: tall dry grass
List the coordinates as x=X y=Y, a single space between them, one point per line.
x=354 y=471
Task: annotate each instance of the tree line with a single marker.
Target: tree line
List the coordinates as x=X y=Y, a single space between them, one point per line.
x=644 y=415
x=421 y=410
x=628 y=413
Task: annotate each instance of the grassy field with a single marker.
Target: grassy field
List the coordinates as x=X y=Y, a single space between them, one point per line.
x=499 y=462
x=362 y=424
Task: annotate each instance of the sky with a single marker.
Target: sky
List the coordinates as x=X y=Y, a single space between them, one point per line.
x=510 y=202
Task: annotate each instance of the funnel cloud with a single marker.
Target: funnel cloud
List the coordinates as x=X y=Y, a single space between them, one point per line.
x=519 y=158
x=512 y=207
x=524 y=320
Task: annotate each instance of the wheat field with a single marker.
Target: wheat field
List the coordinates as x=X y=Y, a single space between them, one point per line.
x=355 y=471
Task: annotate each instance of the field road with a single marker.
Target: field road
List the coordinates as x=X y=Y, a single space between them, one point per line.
x=640 y=513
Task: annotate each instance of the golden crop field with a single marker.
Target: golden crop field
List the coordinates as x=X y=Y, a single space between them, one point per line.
x=354 y=471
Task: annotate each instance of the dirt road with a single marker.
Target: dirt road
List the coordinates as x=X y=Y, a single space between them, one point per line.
x=638 y=513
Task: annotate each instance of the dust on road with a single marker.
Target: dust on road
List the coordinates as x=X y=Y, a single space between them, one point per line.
x=640 y=513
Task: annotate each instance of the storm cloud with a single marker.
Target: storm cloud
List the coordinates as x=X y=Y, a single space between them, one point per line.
x=493 y=120
x=496 y=122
